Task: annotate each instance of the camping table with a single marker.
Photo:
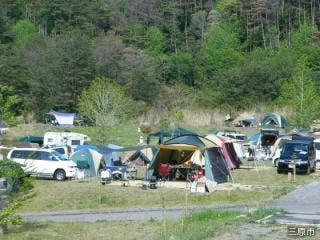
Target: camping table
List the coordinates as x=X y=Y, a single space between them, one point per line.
x=182 y=170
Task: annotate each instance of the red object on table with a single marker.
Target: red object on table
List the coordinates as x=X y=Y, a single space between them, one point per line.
x=199 y=173
x=164 y=169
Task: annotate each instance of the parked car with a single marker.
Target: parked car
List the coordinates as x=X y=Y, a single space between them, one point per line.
x=45 y=163
x=298 y=153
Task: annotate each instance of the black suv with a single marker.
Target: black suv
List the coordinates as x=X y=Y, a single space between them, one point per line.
x=300 y=153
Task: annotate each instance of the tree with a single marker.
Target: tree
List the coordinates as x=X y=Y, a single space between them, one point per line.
x=104 y=102
x=64 y=64
x=301 y=95
x=222 y=49
x=24 y=31
x=155 y=41
x=8 y=102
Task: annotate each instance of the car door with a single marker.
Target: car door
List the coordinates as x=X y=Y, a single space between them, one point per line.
x=20 y=157
x=30 y=157
x=48 y=164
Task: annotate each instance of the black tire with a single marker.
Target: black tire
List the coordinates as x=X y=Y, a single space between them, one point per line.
x=60 y=175
x=279 y=171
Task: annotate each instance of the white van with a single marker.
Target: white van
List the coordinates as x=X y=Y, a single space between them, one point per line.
x=43 y=163
x=71 y=139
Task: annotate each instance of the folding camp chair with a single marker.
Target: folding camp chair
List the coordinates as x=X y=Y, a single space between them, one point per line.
x=164 y=172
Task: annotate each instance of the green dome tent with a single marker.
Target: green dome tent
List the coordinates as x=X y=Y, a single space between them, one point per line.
x=89 y=160
x=181 y=149
x=273 y=120
x=162 y=134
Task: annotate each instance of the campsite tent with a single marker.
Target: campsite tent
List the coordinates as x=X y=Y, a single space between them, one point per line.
x=238 y=147
x=273 y=120
x=180 y=150
x=227 y=150
x=161 y=135
x=142 y=156
x=89 y=160
x=63 y=119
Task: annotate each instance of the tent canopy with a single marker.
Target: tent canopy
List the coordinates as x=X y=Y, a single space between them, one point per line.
x=63 y=119
x=113 y=152
x=273 y=120
x=182 y=149
x=32 y=139
x=89 y=160
x=162 y=134
x=227 y=149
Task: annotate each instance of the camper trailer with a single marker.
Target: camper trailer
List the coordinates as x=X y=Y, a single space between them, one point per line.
x=71 y=139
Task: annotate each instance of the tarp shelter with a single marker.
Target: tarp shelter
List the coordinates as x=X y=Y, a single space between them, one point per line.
x=227 y=150
x=32 y=139
x=63 y=119
x=273 y=120
x=181 y=149
x=176 y=132
x=89 y=160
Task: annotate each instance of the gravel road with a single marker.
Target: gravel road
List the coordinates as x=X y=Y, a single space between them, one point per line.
x=125 y=214
x=302 y=206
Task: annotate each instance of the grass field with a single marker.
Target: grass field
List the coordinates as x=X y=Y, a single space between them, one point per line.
x=264 y=185
x=195 y=226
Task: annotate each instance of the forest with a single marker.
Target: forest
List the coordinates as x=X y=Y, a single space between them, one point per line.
x=113 y=60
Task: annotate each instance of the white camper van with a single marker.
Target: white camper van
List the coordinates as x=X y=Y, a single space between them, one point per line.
x=72 y=139
x=43 y=163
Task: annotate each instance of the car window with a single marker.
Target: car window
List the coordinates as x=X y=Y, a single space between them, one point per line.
x=35 y=155
x=290 y=148
x=22 y=154
x=17 y=154
x=317 y=145
x=59 y=156
x=45 y=156
x=75 y=142
x=60 y=150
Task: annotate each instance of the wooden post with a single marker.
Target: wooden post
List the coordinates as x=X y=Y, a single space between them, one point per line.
x=289 y=176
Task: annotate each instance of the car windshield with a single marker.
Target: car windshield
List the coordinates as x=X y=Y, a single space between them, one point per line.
x=59 y=156
x=298 y=147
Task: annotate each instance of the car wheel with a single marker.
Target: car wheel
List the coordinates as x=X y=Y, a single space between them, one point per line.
x=60 y=175
x=279 y=171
